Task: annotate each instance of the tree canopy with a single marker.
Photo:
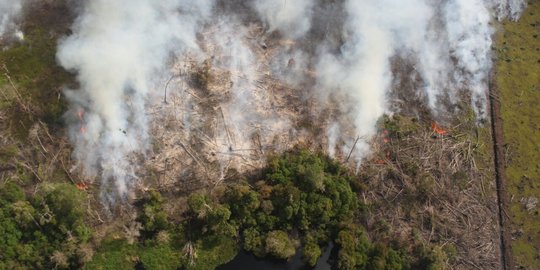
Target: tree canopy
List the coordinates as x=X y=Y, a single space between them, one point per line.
x=45 y=231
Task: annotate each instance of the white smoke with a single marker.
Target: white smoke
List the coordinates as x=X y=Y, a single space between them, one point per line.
x=10 y=10
x=293 y=20
x=119 y=48
x=248 y=111
x=291 y=17
x=333 y=135
x=376 y=30
x=469 y=33
x=240 y=116
x=450 y=41
x=510 y=9
x=116 y=48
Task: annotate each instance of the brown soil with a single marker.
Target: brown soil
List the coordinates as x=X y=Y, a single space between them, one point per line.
x=500 y=177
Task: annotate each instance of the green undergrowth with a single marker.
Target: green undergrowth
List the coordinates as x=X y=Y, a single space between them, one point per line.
x=45 y=230
x=114 y=255
x=119 y=254
x=299 y=202
x=518 y=80
x=37 y=79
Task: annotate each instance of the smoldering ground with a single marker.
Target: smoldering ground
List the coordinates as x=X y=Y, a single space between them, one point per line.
x=268 y=67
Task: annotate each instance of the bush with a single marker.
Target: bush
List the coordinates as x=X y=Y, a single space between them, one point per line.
x=114 y=255
x=160 y=257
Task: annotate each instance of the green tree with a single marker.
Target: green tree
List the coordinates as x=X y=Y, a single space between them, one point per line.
x=244 y=203
x=46 y=232
x=280 y=245
x=153 y=217
x=431 y=258
x=62 y=211
x=354 y=248
x=253 y=241
x=384 y=258
x=208 y=217
x=311 y=253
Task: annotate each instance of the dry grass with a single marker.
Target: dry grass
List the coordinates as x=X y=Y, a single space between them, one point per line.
x=428 y=188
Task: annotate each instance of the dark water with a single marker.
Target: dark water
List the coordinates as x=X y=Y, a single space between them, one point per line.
x=247 y=261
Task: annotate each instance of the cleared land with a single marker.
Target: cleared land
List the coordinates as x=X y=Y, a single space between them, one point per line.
x=418 y=189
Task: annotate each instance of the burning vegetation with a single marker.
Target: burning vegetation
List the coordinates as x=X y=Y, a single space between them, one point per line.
x=186 y=131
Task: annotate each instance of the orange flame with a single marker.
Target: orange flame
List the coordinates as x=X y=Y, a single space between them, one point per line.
x=81 y=186
x=437 y=129
x=80 y=114
x=385 y=136
x=385 y=160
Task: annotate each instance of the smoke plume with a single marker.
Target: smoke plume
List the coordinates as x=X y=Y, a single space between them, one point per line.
x=450 y=42
x=510 y=9
x=10 y=10
x=291 y=18
x=345 y=63
x=116 y=49
x=360 y=72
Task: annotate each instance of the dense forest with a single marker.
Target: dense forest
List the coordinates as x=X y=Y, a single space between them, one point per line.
x=301 y=202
